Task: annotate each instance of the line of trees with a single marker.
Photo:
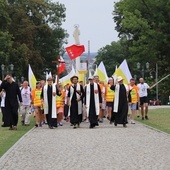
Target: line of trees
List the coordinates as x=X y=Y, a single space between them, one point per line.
x=31 y=33
x=144 y=32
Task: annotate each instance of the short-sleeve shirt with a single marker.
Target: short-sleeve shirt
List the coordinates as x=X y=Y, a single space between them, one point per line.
x=26 y=96
x=143 y=89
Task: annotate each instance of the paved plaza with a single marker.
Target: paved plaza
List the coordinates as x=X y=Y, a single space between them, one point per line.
x=104 y=148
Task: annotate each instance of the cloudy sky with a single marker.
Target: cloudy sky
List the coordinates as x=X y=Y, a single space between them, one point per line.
x=94 y=18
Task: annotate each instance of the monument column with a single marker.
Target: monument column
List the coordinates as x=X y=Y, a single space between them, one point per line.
x=76 y=35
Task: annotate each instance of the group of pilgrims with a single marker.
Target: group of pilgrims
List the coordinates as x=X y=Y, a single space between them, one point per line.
x=52 y=103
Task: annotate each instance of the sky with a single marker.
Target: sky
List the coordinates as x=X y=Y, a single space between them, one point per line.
x=95 y=21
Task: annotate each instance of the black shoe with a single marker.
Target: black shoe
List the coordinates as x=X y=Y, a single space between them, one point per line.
x=3 y=125
x=115 y=124
x=11 y=128
x=138 y=116
x=51 y=127
x=124 y=125
x=36 y=125
x=91 y=126
x=22 y=123
x=146 y=117
x=74 y=127
x=142 y=118
x=111 y=122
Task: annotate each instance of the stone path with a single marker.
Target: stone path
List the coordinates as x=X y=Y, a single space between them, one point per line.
x=103 y=148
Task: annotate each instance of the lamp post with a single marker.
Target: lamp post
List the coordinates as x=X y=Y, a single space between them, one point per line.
x=22 y=79
x=5 y=69
x=156 y=80
x=135 y=77
x=143 y=70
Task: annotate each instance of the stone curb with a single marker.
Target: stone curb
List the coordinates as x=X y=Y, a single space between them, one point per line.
x=152 y=128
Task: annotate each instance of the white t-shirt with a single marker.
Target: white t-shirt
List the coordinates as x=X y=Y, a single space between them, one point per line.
x=3 y=99
x=143 y=89
x=26 y=96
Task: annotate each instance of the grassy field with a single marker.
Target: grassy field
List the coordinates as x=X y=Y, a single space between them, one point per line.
x=158 y=119
x=8 y=138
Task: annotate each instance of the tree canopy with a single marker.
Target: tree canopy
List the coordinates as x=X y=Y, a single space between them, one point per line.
x=31 y=33
x=144 y=27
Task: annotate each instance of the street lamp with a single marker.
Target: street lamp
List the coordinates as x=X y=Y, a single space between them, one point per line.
x=156 y=80
x=135 y=77
x=22 y=79
x=6 y=71
x=143 y=68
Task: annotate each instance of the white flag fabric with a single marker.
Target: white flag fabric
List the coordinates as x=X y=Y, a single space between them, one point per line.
x=101 y=72
x=66 y=79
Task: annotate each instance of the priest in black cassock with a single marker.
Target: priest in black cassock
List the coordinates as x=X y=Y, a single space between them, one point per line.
x=120 y=105
x=48 y=95
x=13 y=94
x=92 y=102
x=75 y=102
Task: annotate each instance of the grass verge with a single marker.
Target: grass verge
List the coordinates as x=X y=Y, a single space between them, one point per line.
x=158 y=119
x=9 y=137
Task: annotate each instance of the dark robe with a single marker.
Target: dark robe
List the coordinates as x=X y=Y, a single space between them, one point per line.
x=75 y=118
x=93 y=118
x=13 y=94
x=52 y=122
x=120 y=117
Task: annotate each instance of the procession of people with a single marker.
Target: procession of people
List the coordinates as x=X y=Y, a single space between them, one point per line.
x=52 y=103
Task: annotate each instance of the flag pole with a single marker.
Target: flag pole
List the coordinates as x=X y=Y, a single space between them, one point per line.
x=159 y=81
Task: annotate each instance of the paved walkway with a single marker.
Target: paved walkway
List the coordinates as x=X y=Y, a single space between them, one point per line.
x=103 y=148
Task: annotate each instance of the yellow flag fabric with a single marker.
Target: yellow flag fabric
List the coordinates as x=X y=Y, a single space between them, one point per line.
x=101 y=72
x=82 y=76
x=31 y=78
x=124 y=72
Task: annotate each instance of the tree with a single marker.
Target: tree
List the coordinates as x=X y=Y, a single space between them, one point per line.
x=112 y=55
x=36 y=32
x=145 y=25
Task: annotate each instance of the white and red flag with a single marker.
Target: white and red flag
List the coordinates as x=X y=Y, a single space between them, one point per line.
x=61 y=66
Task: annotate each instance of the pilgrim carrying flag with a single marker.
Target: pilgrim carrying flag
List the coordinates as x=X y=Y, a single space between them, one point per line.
x=61 y=66
x=75 y=50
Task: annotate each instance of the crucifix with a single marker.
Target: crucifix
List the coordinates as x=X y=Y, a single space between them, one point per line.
x=57 y=62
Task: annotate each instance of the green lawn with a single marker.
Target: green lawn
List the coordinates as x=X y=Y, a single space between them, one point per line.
x=158 y=119
x=8 y=138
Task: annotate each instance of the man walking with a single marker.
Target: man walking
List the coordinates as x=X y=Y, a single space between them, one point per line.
x=133 y=99
x=143 y=95
x=13 y=93
x=48 y=96
x=120 y=104
x=25 y=108
x=92 y=102
x=75 y=102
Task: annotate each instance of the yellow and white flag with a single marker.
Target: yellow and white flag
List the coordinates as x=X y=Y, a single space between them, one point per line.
x=66 y=79
x=123 y=71
x=31 y=78
x=101 y=72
